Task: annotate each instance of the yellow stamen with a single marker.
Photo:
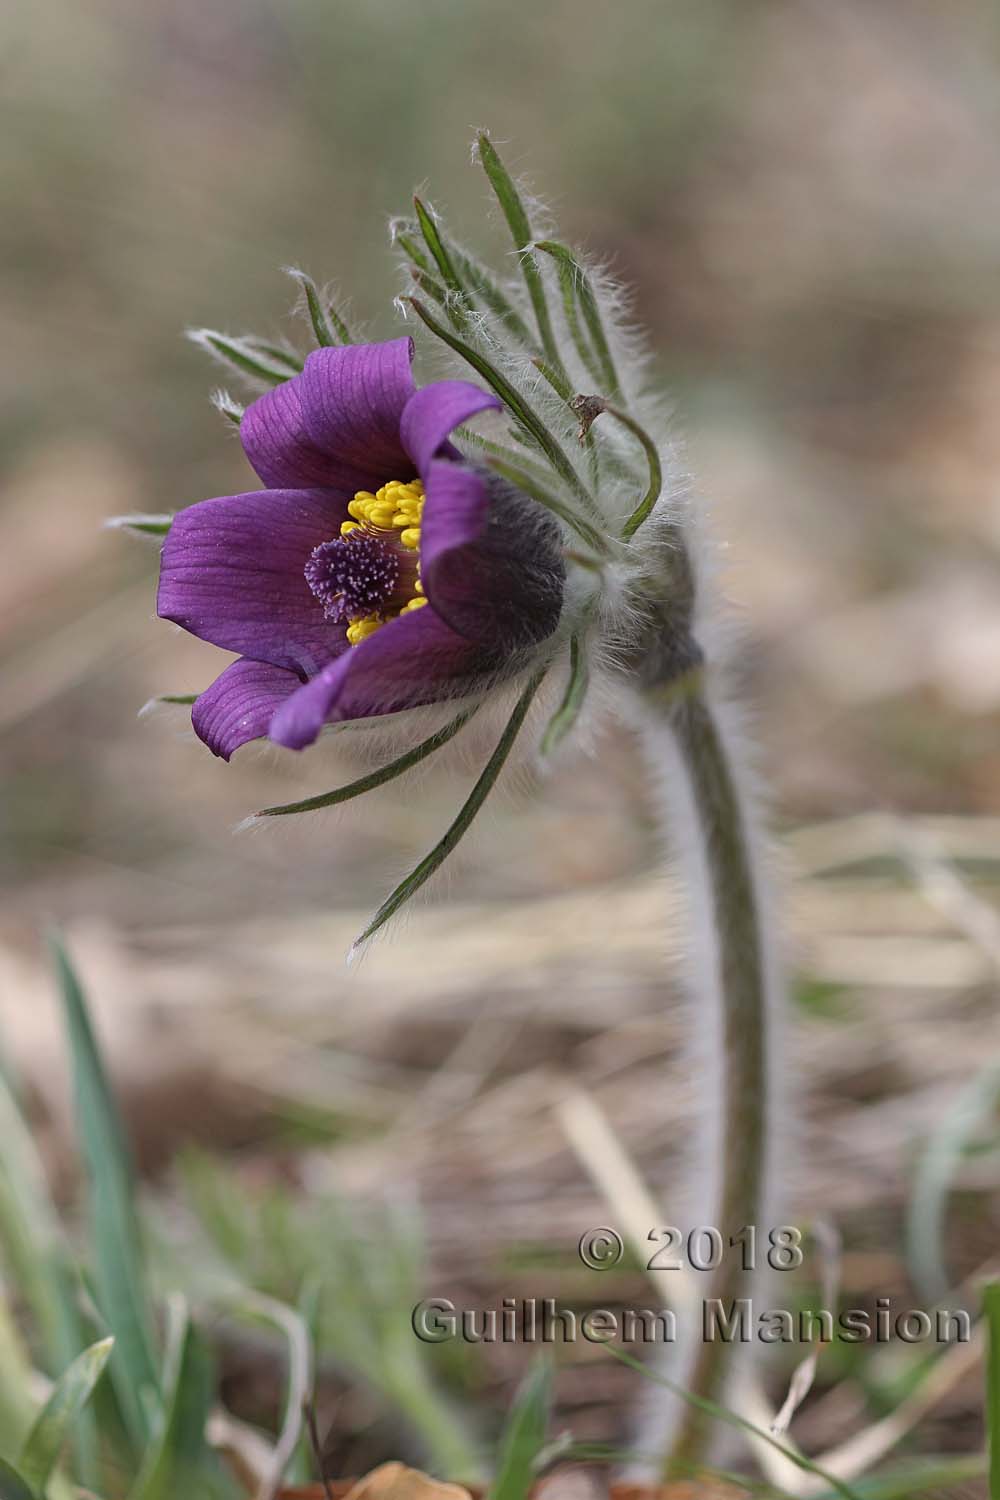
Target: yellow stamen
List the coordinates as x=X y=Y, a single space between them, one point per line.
x=397 y=508
x=359 y=630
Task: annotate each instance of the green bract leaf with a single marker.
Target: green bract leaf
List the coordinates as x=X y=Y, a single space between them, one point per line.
x=560 y=384
x=228 y=407
x=436 y=289
x=429 y=283
x=70 y=1395
x=437 y=247
x=242 y=354
x=511 y=399
x=404 y=233
x=542 y=474
x=557 y=380
x=523 y=1437
x=589 y=408
x=525 y=480
x=113 y=1227
x=375 y=778
x=285 y=358
x=436 y=858
x=481 y=283
x=577 y=291
x=568 y=712
x=517 y=220
x=142 y=525
x=327 y=326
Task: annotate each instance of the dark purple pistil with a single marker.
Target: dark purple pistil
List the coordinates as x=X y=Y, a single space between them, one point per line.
x=354 y=575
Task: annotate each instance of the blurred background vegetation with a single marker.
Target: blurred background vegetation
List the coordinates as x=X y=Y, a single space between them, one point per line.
x=804 y=197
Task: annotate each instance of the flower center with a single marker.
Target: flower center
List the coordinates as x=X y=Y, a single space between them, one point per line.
x=371 y=572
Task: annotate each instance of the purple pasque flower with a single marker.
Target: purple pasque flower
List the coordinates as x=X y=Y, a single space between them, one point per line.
x=378 y=571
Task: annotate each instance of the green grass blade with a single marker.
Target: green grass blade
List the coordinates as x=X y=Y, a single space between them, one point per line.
x=436 y=858
x=301 y=1363
x=511 y=398
x=568 y=712
x=114 y=1231
x=730 y=1419
x=220 y=1204
x=12 y=1486
x=39 y=1270
x=17 y=1409
x=937 y=1475
x=70 y=1395
x=519 y=225
x=310 y=1302
x=577 y=289
x=179 y=1462
x=935 y=1173
x=523 y=1437
x=31 y=1239
x=991 y=1308
x=36 y=1265
x=385 y=773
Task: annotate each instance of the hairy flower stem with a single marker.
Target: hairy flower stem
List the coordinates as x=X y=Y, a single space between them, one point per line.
x=714 y=829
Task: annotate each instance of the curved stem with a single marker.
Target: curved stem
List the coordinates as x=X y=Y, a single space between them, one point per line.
x=714 y=827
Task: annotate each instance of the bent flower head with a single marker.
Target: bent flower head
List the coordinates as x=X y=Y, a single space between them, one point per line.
x=378 y=569
x=396 y=558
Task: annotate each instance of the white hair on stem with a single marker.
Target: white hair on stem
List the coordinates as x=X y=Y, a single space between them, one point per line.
x=708 y=818
x=704 y=792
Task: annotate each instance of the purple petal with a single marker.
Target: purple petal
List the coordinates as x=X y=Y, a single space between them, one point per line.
x=232 y=573
x=416 y=658
x=240 y=704
x=435 y=411
x=490 y=558
x=275 y=441
x=352 y=402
